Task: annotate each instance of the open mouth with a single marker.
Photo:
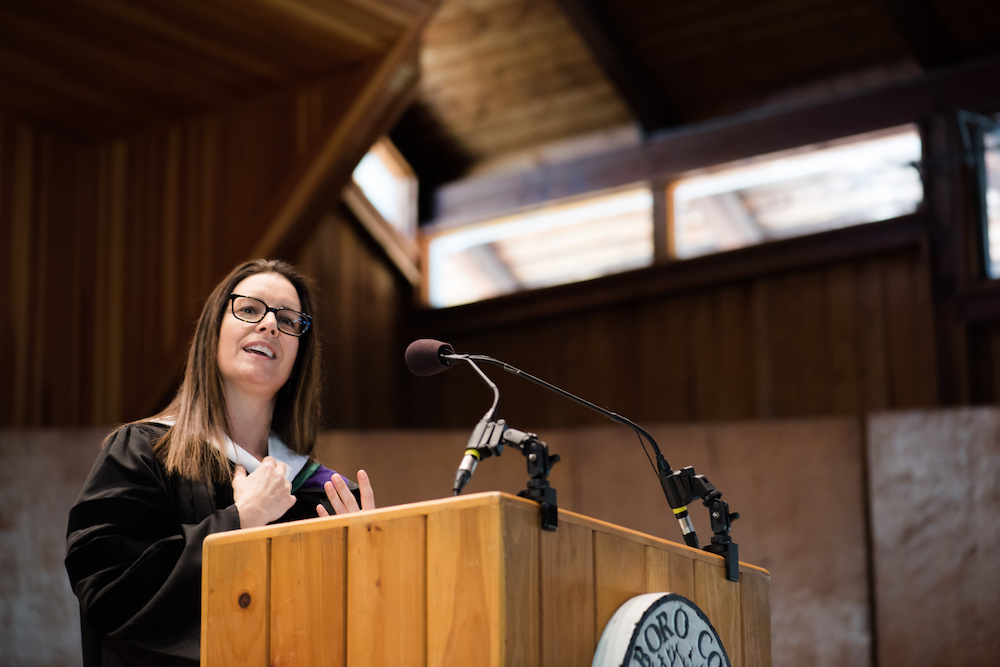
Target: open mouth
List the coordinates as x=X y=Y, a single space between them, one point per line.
x=261 y=350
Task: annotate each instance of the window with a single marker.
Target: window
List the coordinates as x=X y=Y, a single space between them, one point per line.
x=991 y=200
x=558 y=244
x=852 y=181
x=849 y=182
x=382 y=195
x=390 y=186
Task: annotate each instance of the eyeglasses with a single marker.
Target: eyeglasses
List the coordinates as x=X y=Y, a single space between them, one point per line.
x=252 y=310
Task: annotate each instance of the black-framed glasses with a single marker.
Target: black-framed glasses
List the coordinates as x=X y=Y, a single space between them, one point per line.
x=252 y=310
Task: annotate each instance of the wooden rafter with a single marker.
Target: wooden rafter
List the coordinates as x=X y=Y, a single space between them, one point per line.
x=317 y=184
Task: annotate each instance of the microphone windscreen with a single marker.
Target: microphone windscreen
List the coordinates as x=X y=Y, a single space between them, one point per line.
x=423 y=357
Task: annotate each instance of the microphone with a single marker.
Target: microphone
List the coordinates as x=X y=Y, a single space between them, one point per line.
x=424 y=357
x=428 y=357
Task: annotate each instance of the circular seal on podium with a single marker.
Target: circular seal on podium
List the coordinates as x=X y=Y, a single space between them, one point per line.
x=659 y=629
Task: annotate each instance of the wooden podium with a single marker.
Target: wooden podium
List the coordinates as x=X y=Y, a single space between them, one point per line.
x=472 y=580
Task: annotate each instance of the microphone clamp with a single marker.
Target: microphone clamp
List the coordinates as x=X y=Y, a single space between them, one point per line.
x=488 y=439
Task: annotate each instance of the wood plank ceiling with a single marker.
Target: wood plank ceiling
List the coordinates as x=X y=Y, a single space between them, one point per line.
x=504 y=82
x=506 y=78
x=97 y=68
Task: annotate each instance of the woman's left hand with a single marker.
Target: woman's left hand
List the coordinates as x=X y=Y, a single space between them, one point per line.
x=343 y=500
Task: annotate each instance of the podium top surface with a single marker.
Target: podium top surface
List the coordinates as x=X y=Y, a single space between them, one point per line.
x=501 y=501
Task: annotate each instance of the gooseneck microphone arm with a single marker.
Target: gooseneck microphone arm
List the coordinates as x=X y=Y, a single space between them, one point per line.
x=562 y=392
x=472 y=451
x=677 y=493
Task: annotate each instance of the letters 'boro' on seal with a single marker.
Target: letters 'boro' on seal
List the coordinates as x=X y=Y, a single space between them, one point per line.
x=660 y=629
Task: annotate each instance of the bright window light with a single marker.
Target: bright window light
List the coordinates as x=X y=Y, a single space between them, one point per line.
x=389 y=185
x=555 y=245
x=991 y=155
x=854 y=181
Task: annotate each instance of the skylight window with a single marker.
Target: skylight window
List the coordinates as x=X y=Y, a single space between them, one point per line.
x=857 y=180
x=558 y=244
x=991 y=163
x=390 y=185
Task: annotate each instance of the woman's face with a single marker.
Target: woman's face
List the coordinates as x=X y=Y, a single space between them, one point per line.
x=257 y=359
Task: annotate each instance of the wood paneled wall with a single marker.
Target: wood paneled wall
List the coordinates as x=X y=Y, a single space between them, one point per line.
x=110 y=248
x=841 y=337
x=363 y=301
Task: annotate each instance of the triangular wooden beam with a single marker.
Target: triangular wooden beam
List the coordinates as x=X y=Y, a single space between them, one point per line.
x=317 y=185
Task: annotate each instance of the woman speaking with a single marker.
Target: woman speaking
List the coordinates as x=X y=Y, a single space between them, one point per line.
x=232 y=450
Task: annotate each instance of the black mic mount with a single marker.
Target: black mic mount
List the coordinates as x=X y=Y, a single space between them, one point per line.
x=684 y=486
x=681 y=487
x=489 y=438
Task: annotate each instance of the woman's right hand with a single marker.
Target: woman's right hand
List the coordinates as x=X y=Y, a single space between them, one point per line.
x=264 y=495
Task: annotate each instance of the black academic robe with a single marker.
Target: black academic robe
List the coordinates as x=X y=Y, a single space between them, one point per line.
x=134 y=552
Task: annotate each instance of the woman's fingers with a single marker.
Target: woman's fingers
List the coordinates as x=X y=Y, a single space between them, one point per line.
x=367 y=494
x=343 y=500
x=340 y=496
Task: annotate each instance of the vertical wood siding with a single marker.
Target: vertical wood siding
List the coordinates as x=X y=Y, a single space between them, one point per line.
x=841 y=338
x=110 y=248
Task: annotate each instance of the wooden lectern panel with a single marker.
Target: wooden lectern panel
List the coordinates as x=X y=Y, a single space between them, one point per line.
x=716 y=593
x=567 y=595
x=381 y=558
x=303 y=595
x=464 y=581
x=620 y=568
x=236 y=583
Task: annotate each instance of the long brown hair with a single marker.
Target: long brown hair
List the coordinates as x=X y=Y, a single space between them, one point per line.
x=199 y=408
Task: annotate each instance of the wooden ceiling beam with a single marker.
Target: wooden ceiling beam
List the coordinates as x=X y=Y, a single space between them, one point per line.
x=631 y=78
x=316 y=186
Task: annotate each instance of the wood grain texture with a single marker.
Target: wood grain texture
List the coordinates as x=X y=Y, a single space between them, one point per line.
x=523 y=585
x=670 y=572
x=491 y=582
x=567 y=567
x=121 y=230
x=99 y=69
x=387 y=592
x=465 y=588
x=619 y=575
x=308 y=603
x=236 y=605
x=713 y=591
x=505 y=74
x=755 y=601
x=834 y=337
x=153 y=221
